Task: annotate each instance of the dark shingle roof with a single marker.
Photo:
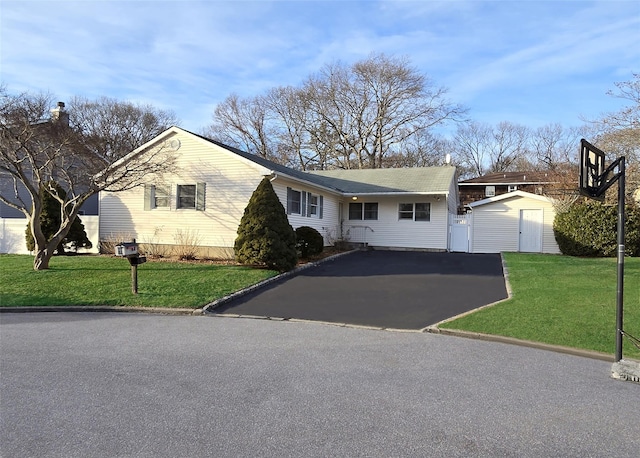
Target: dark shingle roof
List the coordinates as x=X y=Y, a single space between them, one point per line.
x=508 y=178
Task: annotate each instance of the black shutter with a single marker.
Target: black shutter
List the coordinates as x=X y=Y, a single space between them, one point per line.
x=303 y=204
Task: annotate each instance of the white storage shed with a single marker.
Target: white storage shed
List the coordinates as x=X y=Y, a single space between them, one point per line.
x=516 y=221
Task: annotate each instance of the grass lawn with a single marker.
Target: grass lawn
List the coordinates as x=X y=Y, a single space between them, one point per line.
x=104 y=280
x=563 y=300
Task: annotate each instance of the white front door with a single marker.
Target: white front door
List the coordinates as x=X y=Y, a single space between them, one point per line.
x=531 y=231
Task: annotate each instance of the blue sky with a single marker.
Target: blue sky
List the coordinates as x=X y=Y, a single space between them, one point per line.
x=528 y=62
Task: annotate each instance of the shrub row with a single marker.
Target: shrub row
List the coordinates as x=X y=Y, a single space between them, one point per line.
x=590 y=229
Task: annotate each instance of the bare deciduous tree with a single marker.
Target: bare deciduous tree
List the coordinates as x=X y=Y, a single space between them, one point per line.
x=472 y=147
x=508 y=143
x=554 y=145
x=618 y=133
x=243 y=123
x=82 y=151
x=344 y=116
x=482 y=148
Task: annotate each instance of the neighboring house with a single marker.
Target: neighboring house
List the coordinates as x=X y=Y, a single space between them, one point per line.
x=13 y=223
x=496 y=184
x=515 y=221
x=202 y=200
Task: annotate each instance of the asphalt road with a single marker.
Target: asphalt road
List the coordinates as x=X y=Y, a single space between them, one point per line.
x=387 y=289
x=138 y=385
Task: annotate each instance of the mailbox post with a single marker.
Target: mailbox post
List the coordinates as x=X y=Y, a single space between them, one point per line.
x=129 y=250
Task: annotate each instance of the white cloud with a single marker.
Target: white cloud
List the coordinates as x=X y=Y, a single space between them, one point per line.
x=189 y=55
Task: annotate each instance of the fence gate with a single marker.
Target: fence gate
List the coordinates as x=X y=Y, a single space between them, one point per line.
x=459 y=230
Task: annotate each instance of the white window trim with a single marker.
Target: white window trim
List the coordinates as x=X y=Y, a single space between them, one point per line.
x=200 y=197
x=413 y=212
x=305 y=204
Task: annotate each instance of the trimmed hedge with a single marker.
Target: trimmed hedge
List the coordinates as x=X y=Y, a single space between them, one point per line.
x=309 y=242
x=590 y=229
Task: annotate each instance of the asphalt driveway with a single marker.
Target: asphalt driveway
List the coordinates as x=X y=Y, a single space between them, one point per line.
x=387 y=289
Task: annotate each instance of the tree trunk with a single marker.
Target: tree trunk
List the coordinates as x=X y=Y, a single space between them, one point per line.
x=41 y=259
x=44 y=251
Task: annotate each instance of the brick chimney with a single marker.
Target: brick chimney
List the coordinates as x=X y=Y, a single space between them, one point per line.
x=58 y=114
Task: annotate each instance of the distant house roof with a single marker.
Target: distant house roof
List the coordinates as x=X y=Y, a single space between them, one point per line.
x=509 y=195
x=508 y=178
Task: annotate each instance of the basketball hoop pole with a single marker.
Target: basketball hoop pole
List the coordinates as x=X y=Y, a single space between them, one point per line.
x=620 y=288
x=594 y=182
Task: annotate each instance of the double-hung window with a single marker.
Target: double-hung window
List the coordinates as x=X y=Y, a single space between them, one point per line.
x=313 y=205
x=161 y=197
x=419 y=211
x=371 y=210
x=156 y=196
x=293 y=201
x=363 y=211
x=304 y=203
x=355 y=210
x=187 y=196
x=191 y=196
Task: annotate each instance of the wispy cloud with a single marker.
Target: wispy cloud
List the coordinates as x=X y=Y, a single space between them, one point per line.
x=497 y=57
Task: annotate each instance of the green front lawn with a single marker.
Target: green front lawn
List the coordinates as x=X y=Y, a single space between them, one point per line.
x=104 y=280
x=563 y=300
x=558 y=300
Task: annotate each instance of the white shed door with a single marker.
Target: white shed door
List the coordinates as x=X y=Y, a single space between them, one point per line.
x=531 y=231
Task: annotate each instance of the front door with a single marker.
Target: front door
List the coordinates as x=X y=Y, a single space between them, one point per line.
x=531 y=231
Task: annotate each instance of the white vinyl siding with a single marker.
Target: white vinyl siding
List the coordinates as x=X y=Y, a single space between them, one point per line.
x=388 y=231
x=216 y=225
x=231 y=180
x=325 y=218
x=496 y=225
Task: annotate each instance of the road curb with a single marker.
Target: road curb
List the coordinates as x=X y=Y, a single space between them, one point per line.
x=169 y=311
x=522 y=343
x=104 y=308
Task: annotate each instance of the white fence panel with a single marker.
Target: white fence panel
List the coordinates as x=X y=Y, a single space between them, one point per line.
x=459 y=227
x=12 y=234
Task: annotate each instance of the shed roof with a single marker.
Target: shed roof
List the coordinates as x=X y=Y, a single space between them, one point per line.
x=509 y=195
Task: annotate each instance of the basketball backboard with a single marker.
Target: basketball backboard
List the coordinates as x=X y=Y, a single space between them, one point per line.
x=591 y=170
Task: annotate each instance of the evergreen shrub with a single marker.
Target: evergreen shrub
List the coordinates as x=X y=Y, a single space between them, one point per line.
x=590 y=229
x=50 y=220
x=265 y=237
x=309 y=242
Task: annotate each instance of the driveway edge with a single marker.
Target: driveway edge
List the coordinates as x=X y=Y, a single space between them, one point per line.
x=208 y=309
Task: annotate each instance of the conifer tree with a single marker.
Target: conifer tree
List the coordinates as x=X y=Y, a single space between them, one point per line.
x=50 y=219
x=265 y=236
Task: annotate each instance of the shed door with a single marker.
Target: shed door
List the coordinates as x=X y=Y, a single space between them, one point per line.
x=531 y=231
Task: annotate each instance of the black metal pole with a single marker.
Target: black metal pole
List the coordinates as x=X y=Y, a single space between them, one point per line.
x=134 y=273
x=134 y=278
x=621 y=238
